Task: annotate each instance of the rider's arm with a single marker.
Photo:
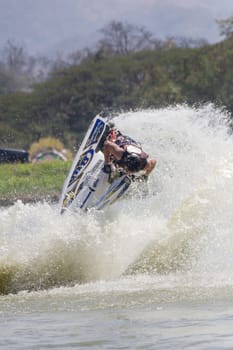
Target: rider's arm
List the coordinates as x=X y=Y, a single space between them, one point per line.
x=111 y=148
x=150 y=166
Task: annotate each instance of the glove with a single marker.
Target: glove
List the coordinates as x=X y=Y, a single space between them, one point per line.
x=107 y=168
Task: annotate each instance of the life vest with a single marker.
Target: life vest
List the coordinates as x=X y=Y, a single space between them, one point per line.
x=133 y=158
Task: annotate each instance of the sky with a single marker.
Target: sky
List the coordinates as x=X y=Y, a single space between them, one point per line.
x=57 y=26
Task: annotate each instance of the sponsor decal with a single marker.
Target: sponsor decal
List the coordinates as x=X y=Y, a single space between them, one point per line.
x=85 y=160
x=95 y=133
x=68 y=199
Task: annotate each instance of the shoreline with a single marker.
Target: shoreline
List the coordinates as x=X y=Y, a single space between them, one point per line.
x=28 y=198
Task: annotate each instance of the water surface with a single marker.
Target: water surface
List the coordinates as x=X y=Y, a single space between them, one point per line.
x=154 y=271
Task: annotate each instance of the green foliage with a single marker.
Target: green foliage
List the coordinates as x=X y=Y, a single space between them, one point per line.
x=7 y=81
x=63 y=106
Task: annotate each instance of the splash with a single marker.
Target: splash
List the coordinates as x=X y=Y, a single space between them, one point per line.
x=181 y=222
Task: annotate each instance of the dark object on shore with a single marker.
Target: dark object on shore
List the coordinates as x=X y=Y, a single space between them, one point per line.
x=10 y=155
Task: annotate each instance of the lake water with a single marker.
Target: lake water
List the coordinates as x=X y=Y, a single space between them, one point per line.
x=154 y=271
x=115 y=315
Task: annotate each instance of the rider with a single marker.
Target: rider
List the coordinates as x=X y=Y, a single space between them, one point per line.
x=126 y=153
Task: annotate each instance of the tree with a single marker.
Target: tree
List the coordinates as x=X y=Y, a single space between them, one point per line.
x=7 y=82
x=15 y=57
x=124 y=38
x=185 y=42
x=226 y=27
x=22 y=68
x=77 y=57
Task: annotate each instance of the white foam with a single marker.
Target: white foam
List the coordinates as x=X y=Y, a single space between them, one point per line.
x=178 y=225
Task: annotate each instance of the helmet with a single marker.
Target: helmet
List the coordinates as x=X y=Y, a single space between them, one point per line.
x=135 y=162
